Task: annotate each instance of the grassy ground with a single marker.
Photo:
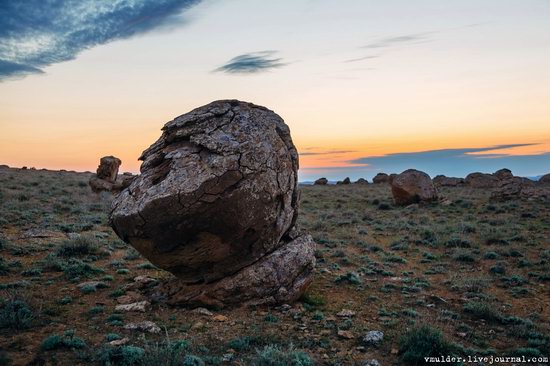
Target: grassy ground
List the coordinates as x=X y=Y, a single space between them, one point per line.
x=464 y=277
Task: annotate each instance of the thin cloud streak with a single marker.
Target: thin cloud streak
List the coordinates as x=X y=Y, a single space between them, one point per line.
x=399 y=40
x=330 y=152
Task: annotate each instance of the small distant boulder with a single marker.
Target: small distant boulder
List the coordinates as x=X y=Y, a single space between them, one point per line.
x=345 y=181
x=107 y=178
x=413 y=186
x=481 y=180
x=443 y=181
x=362 y=181
x=108 y=168
x=321 y=182
x=545 y=179
x=381 y=178
x=503 y=174
x=513 y=188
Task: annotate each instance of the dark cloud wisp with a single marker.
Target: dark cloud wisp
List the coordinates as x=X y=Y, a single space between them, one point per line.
x=329 y=152
x=38 y=33
x=250 y=63
x=459 y=162
x=399 y=40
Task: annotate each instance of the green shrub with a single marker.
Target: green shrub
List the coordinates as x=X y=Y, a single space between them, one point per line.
x=121 y=356
x=273 y=355
x=423 y=341
x=52 y=342
x=482 y=310
x=498 y=268
x=112 y=337
x=457 y=243
x=462 y=255
x=490 y=255
x=313 y=300
x=76 y=269
x=350 y=277
x=78 y=246
x=271 y=318
x=243 y=343
x=68 y=340
x=527 y=352
x=171 y=354
x=16 y=314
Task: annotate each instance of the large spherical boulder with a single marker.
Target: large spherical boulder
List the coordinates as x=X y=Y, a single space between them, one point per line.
x=381 y=178
x=481 y=180
x=443 y=181
x=545 y=179
x=513 y=188
x=217 y=192
x=503 y=174
x=413 y=186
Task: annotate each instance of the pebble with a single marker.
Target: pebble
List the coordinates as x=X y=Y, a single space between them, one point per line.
x=346 y=334
x=144 y=326
x=220 y=318
x=373 y=338
x=346 y=313
x=141 y=306
x=202 y=311
x=119 y=342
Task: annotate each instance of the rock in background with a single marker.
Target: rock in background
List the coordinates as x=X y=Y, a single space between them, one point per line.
x=413 y=186
x=443 y=181
x=381 y=178
x=216 y=204
x=107 y=178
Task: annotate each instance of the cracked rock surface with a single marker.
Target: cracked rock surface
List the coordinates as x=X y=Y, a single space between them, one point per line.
x=217 y=193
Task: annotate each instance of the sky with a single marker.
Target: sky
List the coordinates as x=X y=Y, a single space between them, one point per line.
x=366 y=86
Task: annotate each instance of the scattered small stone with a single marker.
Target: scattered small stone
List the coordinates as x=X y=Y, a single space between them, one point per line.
x=197 y=325
x=141 y=306
x=90 y=284
x=220 y=318
x=462 y=335
x=130 y=297
x=430 y=306
x=346 y=334
x=144 y=326
x=203 y=311
x=119 y=342
x=371 y=362
x=346 y=313
x=41 y=234
x=285 y=307
x=394 y=351
x=228 y=357
x=373 y=338
x=438 y=299
x=145 y=280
